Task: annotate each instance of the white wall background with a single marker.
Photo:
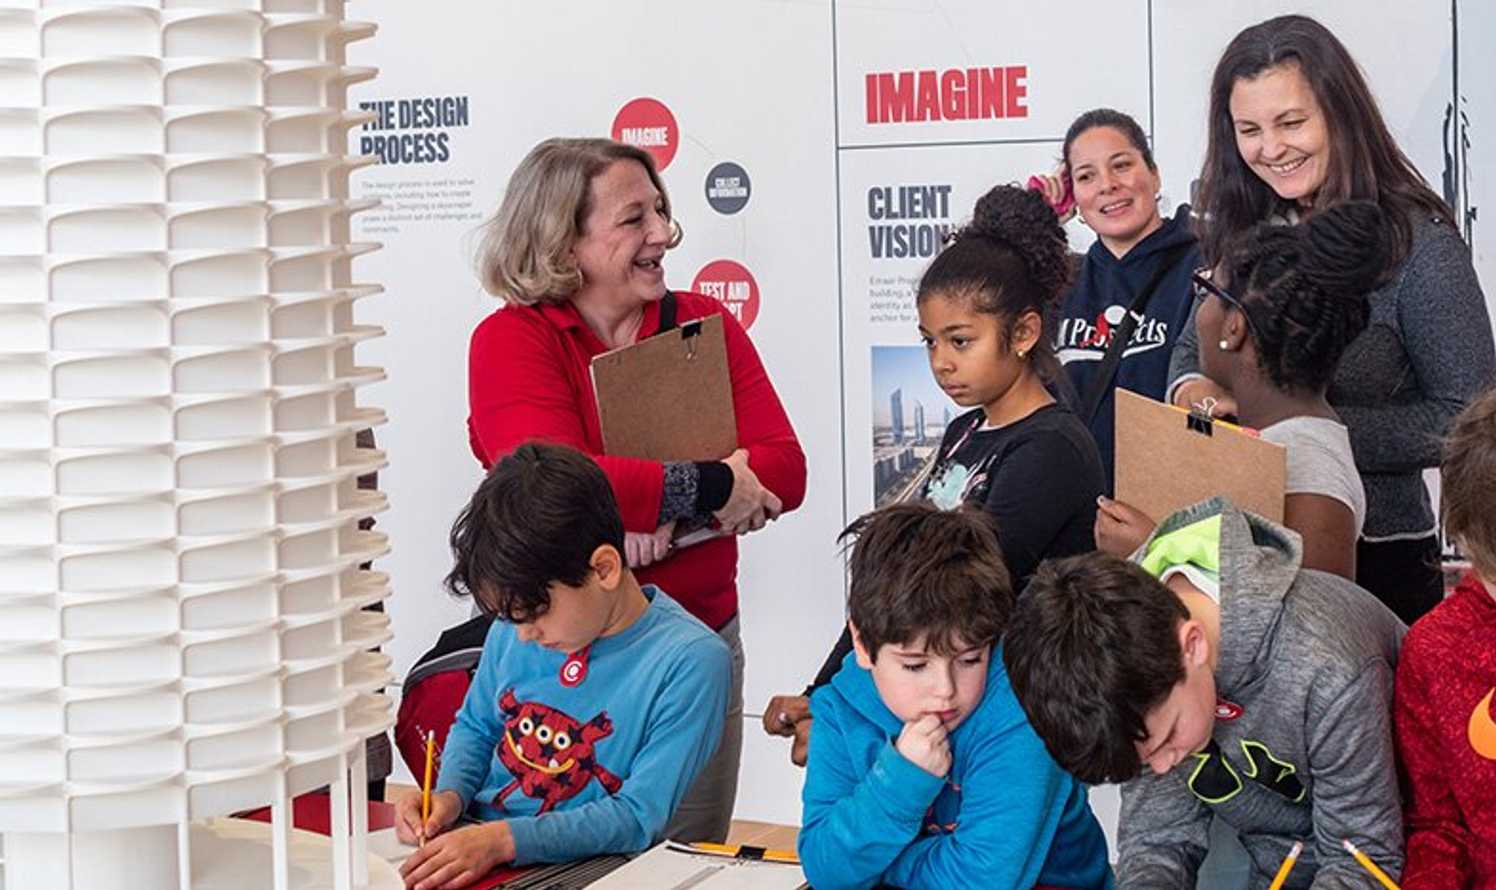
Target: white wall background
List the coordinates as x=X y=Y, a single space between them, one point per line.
x=777 y=87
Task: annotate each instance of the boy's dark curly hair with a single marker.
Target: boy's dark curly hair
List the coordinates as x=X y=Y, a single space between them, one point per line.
x=537 y=518
x=1011 y=259
x=1304 y=289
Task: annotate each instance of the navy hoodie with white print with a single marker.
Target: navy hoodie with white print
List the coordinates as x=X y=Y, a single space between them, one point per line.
x=1093 y=308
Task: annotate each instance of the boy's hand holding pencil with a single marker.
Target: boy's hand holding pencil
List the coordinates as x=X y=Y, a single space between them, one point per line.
x=446 y=807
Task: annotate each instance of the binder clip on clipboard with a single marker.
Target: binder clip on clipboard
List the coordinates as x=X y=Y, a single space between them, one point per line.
x=691 y=332
x=1202 y=416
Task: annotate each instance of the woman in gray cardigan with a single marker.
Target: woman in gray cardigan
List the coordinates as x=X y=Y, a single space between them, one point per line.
x=1294 y=129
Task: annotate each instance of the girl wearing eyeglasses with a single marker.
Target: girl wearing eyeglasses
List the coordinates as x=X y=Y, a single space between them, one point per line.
x=1294 y=130
x=1273 y=318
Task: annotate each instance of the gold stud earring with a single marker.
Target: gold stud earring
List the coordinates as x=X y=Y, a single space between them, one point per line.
x=1021 y=353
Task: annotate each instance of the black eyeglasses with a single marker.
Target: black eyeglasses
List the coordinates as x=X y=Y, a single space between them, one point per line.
x=1203 y=287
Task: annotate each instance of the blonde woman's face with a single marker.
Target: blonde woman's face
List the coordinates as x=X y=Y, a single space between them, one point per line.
x=624 y=237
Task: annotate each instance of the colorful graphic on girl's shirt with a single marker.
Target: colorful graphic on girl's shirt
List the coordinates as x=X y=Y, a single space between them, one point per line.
x=952 y=483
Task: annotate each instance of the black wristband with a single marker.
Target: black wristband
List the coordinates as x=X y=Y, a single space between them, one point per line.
x=678 y=498
x=713 y=486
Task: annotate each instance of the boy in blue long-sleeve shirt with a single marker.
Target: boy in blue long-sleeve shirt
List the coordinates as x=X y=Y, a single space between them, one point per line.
x=923 y=771
x=595 y=702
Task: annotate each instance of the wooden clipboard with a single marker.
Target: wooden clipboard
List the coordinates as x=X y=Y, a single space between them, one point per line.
x=1168 y=458
x=669 y=397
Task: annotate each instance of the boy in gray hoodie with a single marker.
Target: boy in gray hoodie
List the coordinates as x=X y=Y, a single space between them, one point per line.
x=1253 y=690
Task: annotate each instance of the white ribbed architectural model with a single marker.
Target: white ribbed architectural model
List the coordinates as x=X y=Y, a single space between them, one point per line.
x=183 y=632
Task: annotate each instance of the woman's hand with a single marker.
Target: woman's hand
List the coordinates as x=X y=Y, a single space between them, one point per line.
x=1052 y=186
x=458 y=858
x=1201 y=393
x=750 y=506
x=789 y=715
x=1120 y=528
x=644 y=549
x=446 y=806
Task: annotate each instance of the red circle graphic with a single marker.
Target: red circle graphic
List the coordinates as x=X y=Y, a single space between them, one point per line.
x=733 y=286
x=648 y=124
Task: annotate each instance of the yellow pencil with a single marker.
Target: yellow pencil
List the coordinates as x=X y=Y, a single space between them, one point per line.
x=1370 y=866
x=728 y=850
x=426 y=784
x=1287 y=866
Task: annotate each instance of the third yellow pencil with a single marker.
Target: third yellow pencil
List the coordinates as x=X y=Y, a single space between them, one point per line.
x=1370 y=866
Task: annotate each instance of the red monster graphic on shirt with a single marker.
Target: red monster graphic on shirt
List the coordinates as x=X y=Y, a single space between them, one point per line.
x=551 y=756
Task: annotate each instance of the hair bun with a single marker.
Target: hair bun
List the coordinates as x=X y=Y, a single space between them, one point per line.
x=1347 y=248
x=1024 y=221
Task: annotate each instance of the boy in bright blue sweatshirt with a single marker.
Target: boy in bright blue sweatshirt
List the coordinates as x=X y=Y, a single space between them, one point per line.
x=923 y=770
x=596 y=701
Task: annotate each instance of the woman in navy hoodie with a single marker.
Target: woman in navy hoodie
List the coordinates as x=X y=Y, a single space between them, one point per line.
x=1140 y=262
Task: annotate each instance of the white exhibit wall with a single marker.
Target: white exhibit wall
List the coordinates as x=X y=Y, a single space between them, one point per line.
x=1474 y=148
x=782 y=90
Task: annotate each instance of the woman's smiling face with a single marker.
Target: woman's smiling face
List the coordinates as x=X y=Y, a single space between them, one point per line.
x=1115 y=189
x=1281 y=132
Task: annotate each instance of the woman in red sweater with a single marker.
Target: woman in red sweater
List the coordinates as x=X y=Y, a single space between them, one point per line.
x=575 y=253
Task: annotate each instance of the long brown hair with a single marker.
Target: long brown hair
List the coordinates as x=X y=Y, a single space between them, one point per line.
x=1365 y=162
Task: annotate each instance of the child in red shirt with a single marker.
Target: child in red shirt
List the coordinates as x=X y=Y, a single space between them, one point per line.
x=1444 y=715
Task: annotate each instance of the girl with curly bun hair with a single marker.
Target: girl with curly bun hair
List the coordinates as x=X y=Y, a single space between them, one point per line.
x=1018 y=454
x=1273 y=319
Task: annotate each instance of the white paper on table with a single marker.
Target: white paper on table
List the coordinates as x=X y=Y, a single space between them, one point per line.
x=671 y=866
x=386 y=846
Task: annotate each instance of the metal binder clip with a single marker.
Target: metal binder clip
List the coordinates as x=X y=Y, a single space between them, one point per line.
x=689 y=332
x=1201 y=423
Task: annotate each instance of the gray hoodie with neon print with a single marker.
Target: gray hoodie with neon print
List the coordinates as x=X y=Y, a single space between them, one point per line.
x=1302 y=748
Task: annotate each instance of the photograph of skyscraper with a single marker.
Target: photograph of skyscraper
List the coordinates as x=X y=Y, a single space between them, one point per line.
x=905 y=439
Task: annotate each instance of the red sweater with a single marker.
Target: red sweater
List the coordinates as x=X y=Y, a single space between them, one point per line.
x=1446 y=737
x=529 y=378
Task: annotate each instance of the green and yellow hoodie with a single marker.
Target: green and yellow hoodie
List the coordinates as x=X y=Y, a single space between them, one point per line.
x=1302 y=749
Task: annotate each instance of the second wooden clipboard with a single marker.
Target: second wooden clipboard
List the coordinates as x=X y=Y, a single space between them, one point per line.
x=669 y=397
x=1168 y=459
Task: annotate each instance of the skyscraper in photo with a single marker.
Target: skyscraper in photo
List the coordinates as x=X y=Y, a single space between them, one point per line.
x=896 y=408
